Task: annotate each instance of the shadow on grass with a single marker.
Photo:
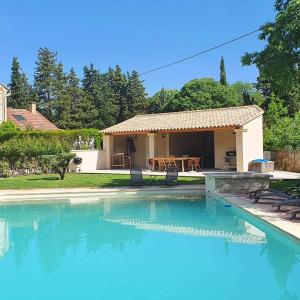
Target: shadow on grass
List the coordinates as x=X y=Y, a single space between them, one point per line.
x=43 y=178
x=121 y=182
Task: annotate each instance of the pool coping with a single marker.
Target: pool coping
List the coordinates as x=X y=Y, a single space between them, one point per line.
x=54 y=194
x=266 y=213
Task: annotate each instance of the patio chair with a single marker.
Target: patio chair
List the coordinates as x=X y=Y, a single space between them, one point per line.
x=171 y=176
x=136 y=177
x=293 y=213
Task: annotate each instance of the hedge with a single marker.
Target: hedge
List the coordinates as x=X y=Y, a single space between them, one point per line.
x=10 y=131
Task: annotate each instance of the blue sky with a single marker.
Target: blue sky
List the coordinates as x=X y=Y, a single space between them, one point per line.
x=135 y=34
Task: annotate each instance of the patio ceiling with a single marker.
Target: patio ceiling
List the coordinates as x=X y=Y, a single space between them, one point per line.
x=187 y=121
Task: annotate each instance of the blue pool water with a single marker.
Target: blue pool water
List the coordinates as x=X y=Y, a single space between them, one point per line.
x=150 y=247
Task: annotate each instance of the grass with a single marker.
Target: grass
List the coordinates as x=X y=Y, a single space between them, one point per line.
x=103 y=180
x=81 y=180
x=283 y=184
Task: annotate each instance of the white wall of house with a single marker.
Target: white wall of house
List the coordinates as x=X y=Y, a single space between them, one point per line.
x=249 y=143
x=3 y=103
x=224 y=140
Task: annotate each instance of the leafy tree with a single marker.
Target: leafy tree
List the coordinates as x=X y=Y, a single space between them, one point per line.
x=283 y=134
x=223 y=79
x=21 y=91
x=279 y=61
x=248 y=94
x=276 y=111
x=159 y=101
x=202 y=94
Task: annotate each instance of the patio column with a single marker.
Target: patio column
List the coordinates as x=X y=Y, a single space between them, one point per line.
x=241 y=161
x=150 y=147
x=167 y=144
x=108 y=148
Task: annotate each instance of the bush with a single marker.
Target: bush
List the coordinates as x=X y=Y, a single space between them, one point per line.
x=24 y=155
x=58 y=163
x=9 y=131
x=4 y=169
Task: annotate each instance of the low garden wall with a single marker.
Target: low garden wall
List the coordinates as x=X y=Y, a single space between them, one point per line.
x=91 y=160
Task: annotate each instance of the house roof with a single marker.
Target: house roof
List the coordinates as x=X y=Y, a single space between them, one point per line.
x=188 y=120
x=5 y=87
x=24 y=118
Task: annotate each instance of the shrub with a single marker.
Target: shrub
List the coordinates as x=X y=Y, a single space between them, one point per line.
x=4 y=169
x=25 y=154
x=58 y=163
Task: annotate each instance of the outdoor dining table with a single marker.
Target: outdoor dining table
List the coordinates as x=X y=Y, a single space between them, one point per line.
x=181 y=158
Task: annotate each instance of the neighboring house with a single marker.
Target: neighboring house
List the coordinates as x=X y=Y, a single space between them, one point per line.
x=29 y=118
x=24 y=118
x=4 y=92
x=219 y=136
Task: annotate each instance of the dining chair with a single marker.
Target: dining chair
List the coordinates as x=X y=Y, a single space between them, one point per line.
x=161 y=164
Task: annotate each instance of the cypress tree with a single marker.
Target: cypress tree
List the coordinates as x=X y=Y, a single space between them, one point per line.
x=21 y=90
x=223 y=80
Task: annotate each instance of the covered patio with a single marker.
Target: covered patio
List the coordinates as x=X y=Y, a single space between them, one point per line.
x=225 y=139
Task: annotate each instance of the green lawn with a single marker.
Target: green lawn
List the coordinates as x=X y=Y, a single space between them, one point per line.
x=81 y=180
x=283 y=184
x=102 y=180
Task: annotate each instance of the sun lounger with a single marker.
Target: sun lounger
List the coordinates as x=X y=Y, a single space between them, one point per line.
x=293 y=213
x=136 y=177
x=271 y=195
x=171 y=176
x=290 y=202
x=275 y=194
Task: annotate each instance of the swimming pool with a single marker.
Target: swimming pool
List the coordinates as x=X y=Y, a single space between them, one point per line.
x=143 y=247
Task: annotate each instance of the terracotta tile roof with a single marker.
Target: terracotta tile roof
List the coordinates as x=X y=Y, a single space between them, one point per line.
x=33 y=120
x=188 y=120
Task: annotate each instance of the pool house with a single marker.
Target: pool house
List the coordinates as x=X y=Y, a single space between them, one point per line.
x=223 y=138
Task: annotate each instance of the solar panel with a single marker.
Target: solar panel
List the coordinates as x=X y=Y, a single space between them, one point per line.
x=19 y=117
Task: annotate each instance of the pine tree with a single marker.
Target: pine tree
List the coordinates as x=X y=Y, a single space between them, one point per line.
x=44 y=81
x=21 y=91
x=136 y=95
x=78 y=111
x=223 y=80
x=118 y=83
x=99 y=92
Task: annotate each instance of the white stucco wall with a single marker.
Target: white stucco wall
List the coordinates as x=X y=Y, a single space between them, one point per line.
x=91 y=160
x=249 y=142
x=224 y=140
x=3 y=103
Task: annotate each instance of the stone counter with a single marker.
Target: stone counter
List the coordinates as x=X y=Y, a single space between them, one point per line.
x=235 y=182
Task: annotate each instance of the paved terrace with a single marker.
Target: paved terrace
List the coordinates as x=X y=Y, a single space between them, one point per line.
x=266 y=212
